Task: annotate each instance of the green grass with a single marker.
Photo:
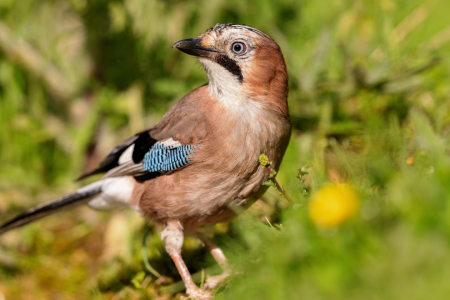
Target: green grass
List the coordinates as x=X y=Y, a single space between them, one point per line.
x=369 y=92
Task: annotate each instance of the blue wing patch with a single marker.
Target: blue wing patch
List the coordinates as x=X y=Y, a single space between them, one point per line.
x=164 y=158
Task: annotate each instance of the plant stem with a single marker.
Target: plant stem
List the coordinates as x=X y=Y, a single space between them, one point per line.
x=278 y=186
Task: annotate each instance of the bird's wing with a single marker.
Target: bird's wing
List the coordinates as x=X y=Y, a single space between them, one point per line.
x=158 y=149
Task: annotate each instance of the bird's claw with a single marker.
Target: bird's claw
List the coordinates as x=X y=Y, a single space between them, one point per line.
x=212 y=282
x=195 y=293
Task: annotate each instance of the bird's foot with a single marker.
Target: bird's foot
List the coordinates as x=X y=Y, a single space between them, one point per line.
x=195 y=293
x=212 y=282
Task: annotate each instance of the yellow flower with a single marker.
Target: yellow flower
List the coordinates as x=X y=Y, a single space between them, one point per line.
x=332 y=205
x=410 y=160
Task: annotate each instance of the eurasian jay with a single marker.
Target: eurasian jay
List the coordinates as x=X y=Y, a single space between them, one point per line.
x=199 y=165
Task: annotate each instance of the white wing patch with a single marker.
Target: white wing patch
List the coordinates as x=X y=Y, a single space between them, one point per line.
x=171 y=142
x=127 y=155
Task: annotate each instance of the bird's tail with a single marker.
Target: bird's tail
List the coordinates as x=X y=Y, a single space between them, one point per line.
x=81 y=196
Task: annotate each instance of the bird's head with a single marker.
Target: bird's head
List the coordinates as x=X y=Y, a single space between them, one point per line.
x=244 y=66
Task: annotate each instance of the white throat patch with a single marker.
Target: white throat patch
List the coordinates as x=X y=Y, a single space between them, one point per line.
x=222 y=84
x=225 y=87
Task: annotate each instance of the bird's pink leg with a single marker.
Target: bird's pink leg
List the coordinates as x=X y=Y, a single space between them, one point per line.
x=173 y=237
x=216 y=252
x=213 y=281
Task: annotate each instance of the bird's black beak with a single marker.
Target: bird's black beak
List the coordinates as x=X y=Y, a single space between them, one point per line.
x=194 y=47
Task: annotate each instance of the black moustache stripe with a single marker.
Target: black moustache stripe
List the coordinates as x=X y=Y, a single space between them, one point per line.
x=230 y=65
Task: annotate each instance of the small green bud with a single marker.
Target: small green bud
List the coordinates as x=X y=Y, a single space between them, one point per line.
x=264 y=160
x=272 y=173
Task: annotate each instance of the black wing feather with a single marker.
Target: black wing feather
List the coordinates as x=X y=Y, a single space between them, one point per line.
x=142 y=143
x=141 y=146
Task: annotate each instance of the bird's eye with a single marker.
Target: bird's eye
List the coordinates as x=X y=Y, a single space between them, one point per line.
x=238 y=48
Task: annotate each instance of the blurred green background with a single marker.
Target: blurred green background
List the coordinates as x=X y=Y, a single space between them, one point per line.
x=370 y=104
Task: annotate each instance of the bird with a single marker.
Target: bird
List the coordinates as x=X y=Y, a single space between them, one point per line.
x=199 y=165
